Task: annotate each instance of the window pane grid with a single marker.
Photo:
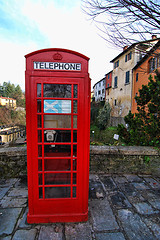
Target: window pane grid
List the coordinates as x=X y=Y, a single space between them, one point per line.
x=73 y=143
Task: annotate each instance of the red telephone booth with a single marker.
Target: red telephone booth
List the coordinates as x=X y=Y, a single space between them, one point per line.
x=58 y=134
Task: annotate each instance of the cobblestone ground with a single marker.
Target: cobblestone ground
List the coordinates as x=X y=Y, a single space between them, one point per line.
x=120 y=208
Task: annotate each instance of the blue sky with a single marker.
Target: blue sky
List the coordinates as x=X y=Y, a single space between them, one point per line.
x=29 y=25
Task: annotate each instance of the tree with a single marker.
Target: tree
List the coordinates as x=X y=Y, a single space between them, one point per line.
x=144 y=126
x=104 y=116
x=9 y=90
x=124 y=22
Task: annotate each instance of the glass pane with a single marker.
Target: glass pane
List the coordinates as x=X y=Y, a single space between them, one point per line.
x=39 y=121
x=74 y=121
x=57 y=121
x=74 y=150
x=40 y=179
x=74 y=164
x=57 y=178
x=75 y=106
x=40 y=192
x=57 y=90
x=57 y=164
x=39 y=136
x=39 y=164
x=75 y=91
x=57 y=150
x=57 y=192
x=38 y=90
x=39 y=106
x=74 y=192
x=57 y=106
x=39 y=151
x=75 y=136
x=57 y=136
x=74 y=178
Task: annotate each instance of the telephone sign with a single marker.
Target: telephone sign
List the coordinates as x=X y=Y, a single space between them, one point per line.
x=58 y=135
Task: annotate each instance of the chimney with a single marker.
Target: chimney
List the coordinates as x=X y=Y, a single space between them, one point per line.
x=154 y=36
x=125 y=47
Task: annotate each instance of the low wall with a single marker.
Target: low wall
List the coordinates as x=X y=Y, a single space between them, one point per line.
x=119 y=159
x=104 y=159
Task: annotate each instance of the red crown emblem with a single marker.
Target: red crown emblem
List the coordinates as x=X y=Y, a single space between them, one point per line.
x=57 y=56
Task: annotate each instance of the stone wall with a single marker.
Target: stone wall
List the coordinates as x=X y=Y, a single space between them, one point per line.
x=119 y=159
x=13 y=162
x=104 y=159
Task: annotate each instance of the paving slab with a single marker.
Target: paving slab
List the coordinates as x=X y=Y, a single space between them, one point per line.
x=78 y=231
x=155 y=203
x=108 y=182
x=51 y=232
x=152 y=223
x=8 y=182
x=18 y=192
x=102 y=214
x=133 y=178
x=152 y=182
x=145 y=208
x=119 y=200
x=3 y=191
x=25 y=234
x=134 y=227
x=109 y=236
x=9 y=202
x=6 y=238
x=140 y=186
x=8 y=219
x=151 y=194
x=22 y=223
x=120 y=179
x=125 y=207
x=131 y=192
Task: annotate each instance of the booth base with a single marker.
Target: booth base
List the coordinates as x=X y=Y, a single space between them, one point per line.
x=57 y=218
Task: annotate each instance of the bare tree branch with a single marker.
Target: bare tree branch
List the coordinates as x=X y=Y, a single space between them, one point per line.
x=124 y=21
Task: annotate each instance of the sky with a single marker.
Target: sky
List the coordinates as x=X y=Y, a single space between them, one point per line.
x=30 y=25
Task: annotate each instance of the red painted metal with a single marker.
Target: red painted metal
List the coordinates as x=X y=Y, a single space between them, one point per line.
x=58 y=163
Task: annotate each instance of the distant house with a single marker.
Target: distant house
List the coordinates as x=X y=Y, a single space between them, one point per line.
x=9 y=102
x=120 y=97
x=99 y=90
x=10 y=133
x=143 y=69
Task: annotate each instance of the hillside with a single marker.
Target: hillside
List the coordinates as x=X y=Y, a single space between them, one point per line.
x=11 y=116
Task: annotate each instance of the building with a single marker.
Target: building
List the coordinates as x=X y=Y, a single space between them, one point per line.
x=143 y=69
x=108 y=85
x=120 y=97
x=10 y=133
x=9 y=102
x=99 y=90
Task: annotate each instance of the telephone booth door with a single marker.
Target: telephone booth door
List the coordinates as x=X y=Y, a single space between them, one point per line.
x=57 y=107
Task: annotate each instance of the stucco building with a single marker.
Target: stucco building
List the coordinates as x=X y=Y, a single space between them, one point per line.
x=9 y=102
x=143 y=69
x=120 y=97
x=99 y=90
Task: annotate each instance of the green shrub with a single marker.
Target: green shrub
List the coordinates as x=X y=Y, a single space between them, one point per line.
x=144 y=126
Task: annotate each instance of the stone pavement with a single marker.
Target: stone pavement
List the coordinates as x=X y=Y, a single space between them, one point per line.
x=125 y=207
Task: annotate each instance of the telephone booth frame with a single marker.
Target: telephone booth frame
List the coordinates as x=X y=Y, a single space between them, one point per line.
x=58 y=135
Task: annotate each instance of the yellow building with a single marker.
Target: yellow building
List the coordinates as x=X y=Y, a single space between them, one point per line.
x=9 y=102
x=10 y=133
